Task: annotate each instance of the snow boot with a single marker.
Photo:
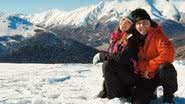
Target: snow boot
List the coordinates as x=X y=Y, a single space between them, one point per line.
x=169 y=99
x=103 y=92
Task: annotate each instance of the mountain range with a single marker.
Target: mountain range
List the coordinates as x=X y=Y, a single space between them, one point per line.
x=87 y=28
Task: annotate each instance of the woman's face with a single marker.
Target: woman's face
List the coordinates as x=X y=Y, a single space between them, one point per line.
x=125 y=24
x=143 y=26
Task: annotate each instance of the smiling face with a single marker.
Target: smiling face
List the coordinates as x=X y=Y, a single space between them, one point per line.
x=143 y=26
x=125 y=24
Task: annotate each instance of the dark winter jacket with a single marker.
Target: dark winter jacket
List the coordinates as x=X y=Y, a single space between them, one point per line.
x=126 y=56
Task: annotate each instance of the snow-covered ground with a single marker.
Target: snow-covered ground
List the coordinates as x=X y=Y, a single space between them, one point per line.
x=63 y=84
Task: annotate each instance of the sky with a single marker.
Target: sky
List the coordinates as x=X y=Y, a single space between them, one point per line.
x=36 y=6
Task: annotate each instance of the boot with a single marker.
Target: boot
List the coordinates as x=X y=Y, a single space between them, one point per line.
x=169 y=99
x=103 y=92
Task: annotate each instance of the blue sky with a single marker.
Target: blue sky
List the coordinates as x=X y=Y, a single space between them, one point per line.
x=36 y=6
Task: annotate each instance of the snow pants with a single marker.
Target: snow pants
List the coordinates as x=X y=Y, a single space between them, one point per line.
x=119 y=79
x=166 y=76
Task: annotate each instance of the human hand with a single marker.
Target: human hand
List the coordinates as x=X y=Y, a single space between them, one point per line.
x=145 y=75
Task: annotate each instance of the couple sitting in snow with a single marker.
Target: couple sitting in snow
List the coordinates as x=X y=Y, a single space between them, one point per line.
x=139 y=59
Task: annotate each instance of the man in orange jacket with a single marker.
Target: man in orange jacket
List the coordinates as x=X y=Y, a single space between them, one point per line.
x=155 y=59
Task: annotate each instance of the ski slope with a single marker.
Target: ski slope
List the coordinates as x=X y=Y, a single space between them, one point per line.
x=63 y=84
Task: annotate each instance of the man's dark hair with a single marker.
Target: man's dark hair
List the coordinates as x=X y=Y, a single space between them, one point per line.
x=140 y=14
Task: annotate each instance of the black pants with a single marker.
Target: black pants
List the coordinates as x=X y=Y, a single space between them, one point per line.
x=166 y=76
x=119 y=79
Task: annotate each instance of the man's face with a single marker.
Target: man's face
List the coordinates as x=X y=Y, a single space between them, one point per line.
x=125 y=24
x=143 y=26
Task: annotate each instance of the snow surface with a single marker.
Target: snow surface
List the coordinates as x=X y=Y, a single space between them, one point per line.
x=63 y=84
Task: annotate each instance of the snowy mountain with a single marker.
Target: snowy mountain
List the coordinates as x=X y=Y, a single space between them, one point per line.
x=111 y=8
x=21 y=41
x=95 y=22
x=92 y=25
x=57 y=36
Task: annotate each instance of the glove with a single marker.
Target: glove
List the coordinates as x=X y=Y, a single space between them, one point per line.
x=96 y=58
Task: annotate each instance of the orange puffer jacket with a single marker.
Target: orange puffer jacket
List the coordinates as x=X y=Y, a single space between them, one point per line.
x=156 y=50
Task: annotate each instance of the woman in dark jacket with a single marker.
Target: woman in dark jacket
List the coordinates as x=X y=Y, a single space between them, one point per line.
x=120 y=66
